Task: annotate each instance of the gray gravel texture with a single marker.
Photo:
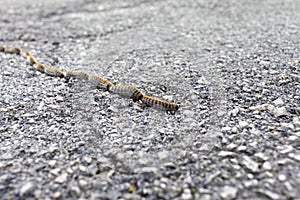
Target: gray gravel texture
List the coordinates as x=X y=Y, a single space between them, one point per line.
x=234 y=67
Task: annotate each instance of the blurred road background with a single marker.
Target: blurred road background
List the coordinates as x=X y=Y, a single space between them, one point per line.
x=234 y=67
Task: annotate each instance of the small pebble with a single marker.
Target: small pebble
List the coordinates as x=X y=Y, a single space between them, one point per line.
x=52 y=163
x=280 y=112
x=281 y=177
x=270 y=194
x=294 y=156
x=27 y=188
x=87 y=159
x=186 y=195
x=82 y=183
x=62 y=178
x=243 y=124
x=278 y=102
x=226 y=154
x=228 y=192
x=250 y=164
x=267 y=166
x=56 y=195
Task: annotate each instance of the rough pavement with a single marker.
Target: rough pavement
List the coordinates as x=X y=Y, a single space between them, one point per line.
x=234 y=67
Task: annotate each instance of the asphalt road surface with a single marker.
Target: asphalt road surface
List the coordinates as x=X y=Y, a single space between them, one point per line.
x=233 y=66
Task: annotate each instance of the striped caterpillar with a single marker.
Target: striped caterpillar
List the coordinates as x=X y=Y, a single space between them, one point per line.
x=30 y=58
x=160 y=104
x=124 y=91
x=12 y=50
x=76 y=75
x=127 y=91
x=99 y=82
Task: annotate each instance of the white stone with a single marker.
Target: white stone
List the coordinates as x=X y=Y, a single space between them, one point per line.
x=241 y=148
x=75 y=189
x=149 y=170
x=234 y=112
x=278 y=102
x=82 y=183
x=226 y=128
x=267 y=166
x=226 y=154
x=186 y=195
x=87 y=159
x=250 y=164
x=228 y=192
x=26 y=188
x=281 y=177
x=261 y=156
x=188 y=113
x=82 y=168
x=270 y=194
x=56 y=195
x=243 y=124
x=52 y=163
x=163 y=154
x=286 y=149
x=279 y=112
x=251 y=183
x=62 y=178
x=295 y=156
x=59 y=98
x=287 y=125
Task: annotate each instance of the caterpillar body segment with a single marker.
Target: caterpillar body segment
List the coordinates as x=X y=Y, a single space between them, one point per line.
x=39 y=67
x=76 y=75
x=2 y=48
x=160 y=104
x=127 y=91
x=99 y=82
x=52 y=71
x=13 y=50
x=30 y=59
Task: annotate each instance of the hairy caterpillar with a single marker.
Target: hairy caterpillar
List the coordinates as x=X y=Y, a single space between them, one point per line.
x=2 y=48
x=99 y=82
x=12 y=50
x=76 y=74
x=127 y=91
x=31 y=60
x=52 y=71
x=39 y=67
x=160 y=104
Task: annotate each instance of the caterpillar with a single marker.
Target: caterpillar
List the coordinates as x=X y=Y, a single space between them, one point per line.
x=99 y=82
x=126 y=91
x=2 y=48
x=31 y=60
x=12 y=50
x=40 y=67
x=160 y=104
x=76 y=75
x=52 y=71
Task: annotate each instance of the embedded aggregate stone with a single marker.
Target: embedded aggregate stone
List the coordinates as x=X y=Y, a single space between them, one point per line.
x=233 y=69
x=26 y=188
